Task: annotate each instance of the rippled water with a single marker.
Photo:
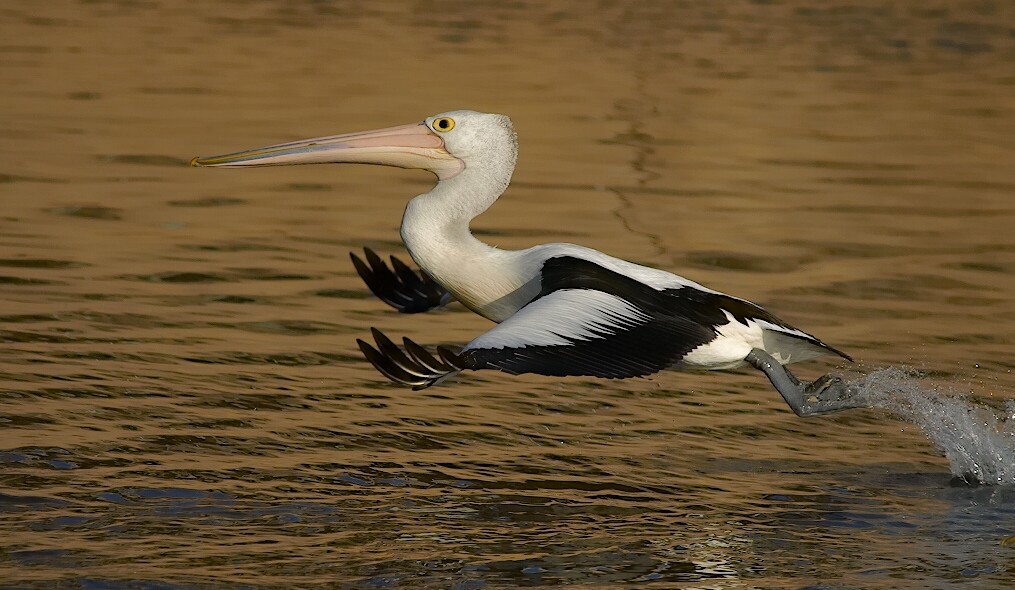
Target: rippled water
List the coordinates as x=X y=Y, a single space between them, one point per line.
x=181 y=399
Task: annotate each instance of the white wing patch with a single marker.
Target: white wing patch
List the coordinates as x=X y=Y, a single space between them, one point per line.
x=784 y=329
x=734 y=341
x=561 y=317
x=727 y=350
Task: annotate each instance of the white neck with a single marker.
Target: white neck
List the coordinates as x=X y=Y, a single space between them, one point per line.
x=438 y=220
x=435 y=229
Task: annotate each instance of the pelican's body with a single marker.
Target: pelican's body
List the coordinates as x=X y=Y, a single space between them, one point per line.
x=562 y=309
x=497 y=284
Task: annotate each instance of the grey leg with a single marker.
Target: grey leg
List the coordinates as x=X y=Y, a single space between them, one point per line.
x=826 y=394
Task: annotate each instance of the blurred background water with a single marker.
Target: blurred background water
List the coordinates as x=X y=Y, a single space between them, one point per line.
x=182 y=404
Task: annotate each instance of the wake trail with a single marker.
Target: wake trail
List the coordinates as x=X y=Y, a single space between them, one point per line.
x=978 y=441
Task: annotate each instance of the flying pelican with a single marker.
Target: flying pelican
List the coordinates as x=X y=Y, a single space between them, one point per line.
x=560 y=309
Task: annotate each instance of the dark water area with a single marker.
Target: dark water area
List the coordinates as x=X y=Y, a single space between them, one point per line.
x=182 y=402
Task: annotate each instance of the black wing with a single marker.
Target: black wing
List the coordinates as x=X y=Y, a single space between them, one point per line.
x=413 y=366
x=399 y=286
x=568 y=332
x=704 y=307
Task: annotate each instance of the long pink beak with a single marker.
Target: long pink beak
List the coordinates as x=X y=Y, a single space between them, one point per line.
x=407 y=146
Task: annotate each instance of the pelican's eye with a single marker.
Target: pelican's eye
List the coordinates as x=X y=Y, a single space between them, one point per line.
x=444 y=124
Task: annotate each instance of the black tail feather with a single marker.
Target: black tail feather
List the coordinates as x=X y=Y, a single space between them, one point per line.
x=402 y=288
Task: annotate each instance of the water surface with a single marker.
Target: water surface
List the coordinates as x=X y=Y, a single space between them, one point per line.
x=182 y=401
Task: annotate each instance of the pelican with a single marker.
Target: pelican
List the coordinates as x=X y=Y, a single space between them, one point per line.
x=559 y=309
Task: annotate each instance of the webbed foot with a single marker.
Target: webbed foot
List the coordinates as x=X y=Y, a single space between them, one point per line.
x=824 y=395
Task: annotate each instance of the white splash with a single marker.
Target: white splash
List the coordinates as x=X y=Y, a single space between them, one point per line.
x=979 y=444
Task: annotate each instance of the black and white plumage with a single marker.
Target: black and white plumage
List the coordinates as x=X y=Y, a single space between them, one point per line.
x=561 y=309
x=590 y=321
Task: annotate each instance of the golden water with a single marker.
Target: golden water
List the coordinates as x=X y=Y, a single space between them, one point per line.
x=182 y=403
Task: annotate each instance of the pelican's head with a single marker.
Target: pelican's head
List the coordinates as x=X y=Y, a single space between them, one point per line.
x=444 y=144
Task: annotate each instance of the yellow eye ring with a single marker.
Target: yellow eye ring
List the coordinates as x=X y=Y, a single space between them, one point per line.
x=444 y=124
